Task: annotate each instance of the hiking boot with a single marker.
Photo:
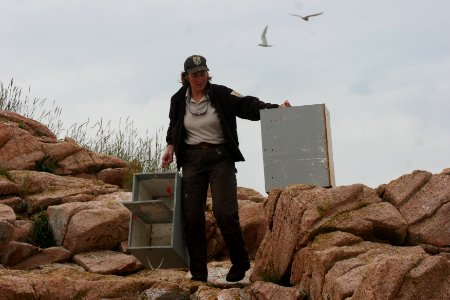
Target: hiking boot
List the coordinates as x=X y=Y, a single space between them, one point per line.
x=202 y=278
x=237 y=273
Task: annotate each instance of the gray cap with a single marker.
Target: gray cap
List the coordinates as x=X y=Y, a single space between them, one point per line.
x=195 y=63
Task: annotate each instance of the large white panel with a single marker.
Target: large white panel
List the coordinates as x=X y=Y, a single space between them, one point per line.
x=296 y=145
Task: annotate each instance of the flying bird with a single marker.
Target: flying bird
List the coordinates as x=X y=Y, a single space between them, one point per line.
x=263 y=38
x=308 y=16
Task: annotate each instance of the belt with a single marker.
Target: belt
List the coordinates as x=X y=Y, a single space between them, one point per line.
x=202 y=145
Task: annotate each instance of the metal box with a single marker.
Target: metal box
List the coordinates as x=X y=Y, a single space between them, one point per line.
x=156 y=234
x=296 y=145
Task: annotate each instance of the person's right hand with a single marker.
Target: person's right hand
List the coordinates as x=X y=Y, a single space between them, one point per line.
x=167 y=157
x=285 y=104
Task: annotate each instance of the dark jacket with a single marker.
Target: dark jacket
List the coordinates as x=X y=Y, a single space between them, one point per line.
x=228 y=105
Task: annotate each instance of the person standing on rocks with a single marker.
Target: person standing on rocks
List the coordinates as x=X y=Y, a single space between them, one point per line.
x=202 y=134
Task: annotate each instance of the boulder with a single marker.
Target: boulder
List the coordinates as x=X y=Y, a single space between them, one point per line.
x=425 y=231
x=16 y=203
x=16 y=252
x=82 y=227
x=244 y=193
x=298 y=214
x=7 y=214
x=377 y=222
x=7 y=223
x=41 y=189
x=114 y=176
x=329 y=268
x=108 y=262
x=29 y=145
x=87 y=162
x=57 y=150
x=406 y=277
x=20 y=150
x=42 y=257
x=23 y=231
x=6 y=232
x=31 y=126
x=7 y=187
x=423 y=200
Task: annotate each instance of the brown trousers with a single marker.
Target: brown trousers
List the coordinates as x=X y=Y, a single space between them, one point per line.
x=215 y=167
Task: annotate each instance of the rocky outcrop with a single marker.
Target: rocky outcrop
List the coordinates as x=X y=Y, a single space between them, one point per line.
x=39 y=190
x=305 y=242
x=67 y=282
x=337 y=266
x=359 y=243
x=423 y=200
x=28 y=145
x=300 y=213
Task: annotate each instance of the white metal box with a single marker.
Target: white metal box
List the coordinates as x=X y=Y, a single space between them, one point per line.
x=296 y=145
x=156 y=234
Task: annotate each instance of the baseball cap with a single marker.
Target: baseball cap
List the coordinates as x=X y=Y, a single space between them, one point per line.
x=195 y=63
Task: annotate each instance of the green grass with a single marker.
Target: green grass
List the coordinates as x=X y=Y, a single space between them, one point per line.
x=4 y=172
x=42 y=235
x=12 y=99
x=269 y=274
x=142 y=152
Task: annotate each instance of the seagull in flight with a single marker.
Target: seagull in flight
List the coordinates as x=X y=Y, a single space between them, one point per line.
x=308 y=16
x=263 y=38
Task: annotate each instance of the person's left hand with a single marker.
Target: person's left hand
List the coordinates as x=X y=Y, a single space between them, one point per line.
x=285 y=104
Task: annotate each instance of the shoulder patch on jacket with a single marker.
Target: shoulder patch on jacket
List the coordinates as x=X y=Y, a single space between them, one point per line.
x=234 y=93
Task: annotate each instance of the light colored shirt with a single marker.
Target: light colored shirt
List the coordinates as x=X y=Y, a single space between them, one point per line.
x=202 y=122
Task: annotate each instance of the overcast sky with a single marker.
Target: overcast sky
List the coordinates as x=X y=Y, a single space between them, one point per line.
x=382 y=68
